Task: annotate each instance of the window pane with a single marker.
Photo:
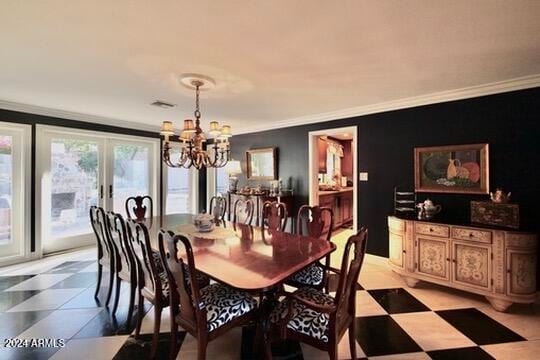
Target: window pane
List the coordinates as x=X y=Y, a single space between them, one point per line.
x=222 y=181
x=131 y=174
x=178 y=191
x=74 y=181
x=6 y=188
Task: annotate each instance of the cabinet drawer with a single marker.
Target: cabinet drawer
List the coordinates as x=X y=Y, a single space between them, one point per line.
x=471 y=234
x=432 y=229
x=396 y=224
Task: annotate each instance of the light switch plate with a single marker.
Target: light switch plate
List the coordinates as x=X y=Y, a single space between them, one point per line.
x=363 y=176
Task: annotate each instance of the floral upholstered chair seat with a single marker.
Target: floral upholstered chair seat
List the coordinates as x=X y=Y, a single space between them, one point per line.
x=310 y=276
x=224 y=304
x=304 y=320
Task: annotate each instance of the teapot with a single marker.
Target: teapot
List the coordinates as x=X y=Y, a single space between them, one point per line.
x=428 y=209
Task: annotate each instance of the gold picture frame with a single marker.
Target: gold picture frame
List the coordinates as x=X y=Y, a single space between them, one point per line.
x=459 y=169
x=261 y=164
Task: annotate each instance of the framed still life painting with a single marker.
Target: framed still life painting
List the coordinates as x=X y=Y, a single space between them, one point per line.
x=462 y=169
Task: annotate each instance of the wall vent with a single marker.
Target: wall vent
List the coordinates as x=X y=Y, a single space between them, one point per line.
x=163 y=104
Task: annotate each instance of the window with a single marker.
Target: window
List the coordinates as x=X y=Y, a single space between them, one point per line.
x=222 y=181
x=181 y=188
x=14 y=191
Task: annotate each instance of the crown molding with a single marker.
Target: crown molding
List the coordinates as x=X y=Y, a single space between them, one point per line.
x=72 y=115
x=521 y=83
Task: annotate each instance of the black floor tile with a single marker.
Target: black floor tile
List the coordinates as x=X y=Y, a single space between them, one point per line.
x=70 y=267
x=77 y=280
x=396 y=301
x=140 y=349
x=9 y=299
x=12 y=324
x=281 y=350
x=468 y=353
x=333 y=280
x=479 y=327
x=8 y=281
x=104 y=324
x=381 y=335
x=28 y=353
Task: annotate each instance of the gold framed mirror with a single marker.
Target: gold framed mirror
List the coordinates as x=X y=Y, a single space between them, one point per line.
x=261 y=164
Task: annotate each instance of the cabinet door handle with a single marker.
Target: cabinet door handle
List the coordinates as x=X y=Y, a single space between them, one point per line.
x=404 y=251
x=430 y=230
x=110 y=191
x=101 y=191
x=454 y=261
x=471 y=235
x=509 y=272
x=447 y=259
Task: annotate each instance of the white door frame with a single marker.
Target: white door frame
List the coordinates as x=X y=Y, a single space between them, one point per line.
x=314 y=165
x=22 y=154
x=104 y=139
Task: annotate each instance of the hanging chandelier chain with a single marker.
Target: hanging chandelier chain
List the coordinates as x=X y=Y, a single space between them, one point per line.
x=197 y=103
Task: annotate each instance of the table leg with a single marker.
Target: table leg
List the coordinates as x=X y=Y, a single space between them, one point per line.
x=268 y=300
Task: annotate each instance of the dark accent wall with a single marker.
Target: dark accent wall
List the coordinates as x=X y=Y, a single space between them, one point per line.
x=509 y=122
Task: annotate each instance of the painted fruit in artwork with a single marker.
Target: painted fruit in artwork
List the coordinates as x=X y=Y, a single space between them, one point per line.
x=435 y=166
x=474 y=171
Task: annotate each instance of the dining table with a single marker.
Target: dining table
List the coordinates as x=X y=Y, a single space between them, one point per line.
x=245 y=257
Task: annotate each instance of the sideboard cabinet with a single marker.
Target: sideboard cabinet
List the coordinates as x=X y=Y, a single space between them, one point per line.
x=499 y=264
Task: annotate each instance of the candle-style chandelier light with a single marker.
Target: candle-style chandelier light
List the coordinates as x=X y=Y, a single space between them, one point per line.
x=192 y=139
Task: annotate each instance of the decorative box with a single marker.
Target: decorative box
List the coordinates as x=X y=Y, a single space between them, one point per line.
x=498 y=214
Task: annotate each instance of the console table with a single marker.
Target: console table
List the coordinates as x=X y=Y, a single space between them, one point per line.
x=258 y=201
x=499 y=264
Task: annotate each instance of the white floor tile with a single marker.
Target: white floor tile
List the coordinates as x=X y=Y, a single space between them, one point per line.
x=61 y=324
x=47 y=300
x=39 y=282
x=431 y=332
x=367 y=306
x=407 y=356
x=515 y=350
x=103 y=348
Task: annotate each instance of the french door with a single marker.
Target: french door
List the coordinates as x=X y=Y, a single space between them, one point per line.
x=80 y=169
x=15 y=143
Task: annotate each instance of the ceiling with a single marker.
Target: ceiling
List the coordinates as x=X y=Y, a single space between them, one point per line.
x=273 y=61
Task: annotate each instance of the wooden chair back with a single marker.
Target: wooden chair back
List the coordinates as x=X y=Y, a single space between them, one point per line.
x=98 y=222
x=138 y=211
x=348 y=279
x=183 y=294
x=243 y=211
x=315 y=221
x=218 y=206
x=274 y=216
x=147 y=272
x=117 y=233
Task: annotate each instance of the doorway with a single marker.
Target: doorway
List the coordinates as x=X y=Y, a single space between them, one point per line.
x=79 y=169
x=333 y=173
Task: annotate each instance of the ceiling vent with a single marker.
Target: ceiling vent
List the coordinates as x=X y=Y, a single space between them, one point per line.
x=163 y=104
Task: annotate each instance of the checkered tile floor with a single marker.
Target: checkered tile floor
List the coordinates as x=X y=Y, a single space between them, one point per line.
x=53 y=298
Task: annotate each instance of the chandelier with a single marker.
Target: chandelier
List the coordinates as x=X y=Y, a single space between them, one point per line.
x=192 y=138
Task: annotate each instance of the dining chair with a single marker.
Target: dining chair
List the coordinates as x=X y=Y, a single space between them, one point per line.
x=205 y=313
x=138 y=211
x=105 y=255
x=318 y=319
x=274 y=216
x=218 y=206
x=152 y=283
x=243 y=211
x=313 y=221
x=125 y=268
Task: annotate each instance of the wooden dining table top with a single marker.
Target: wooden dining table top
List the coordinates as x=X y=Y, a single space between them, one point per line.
x=243 y=256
